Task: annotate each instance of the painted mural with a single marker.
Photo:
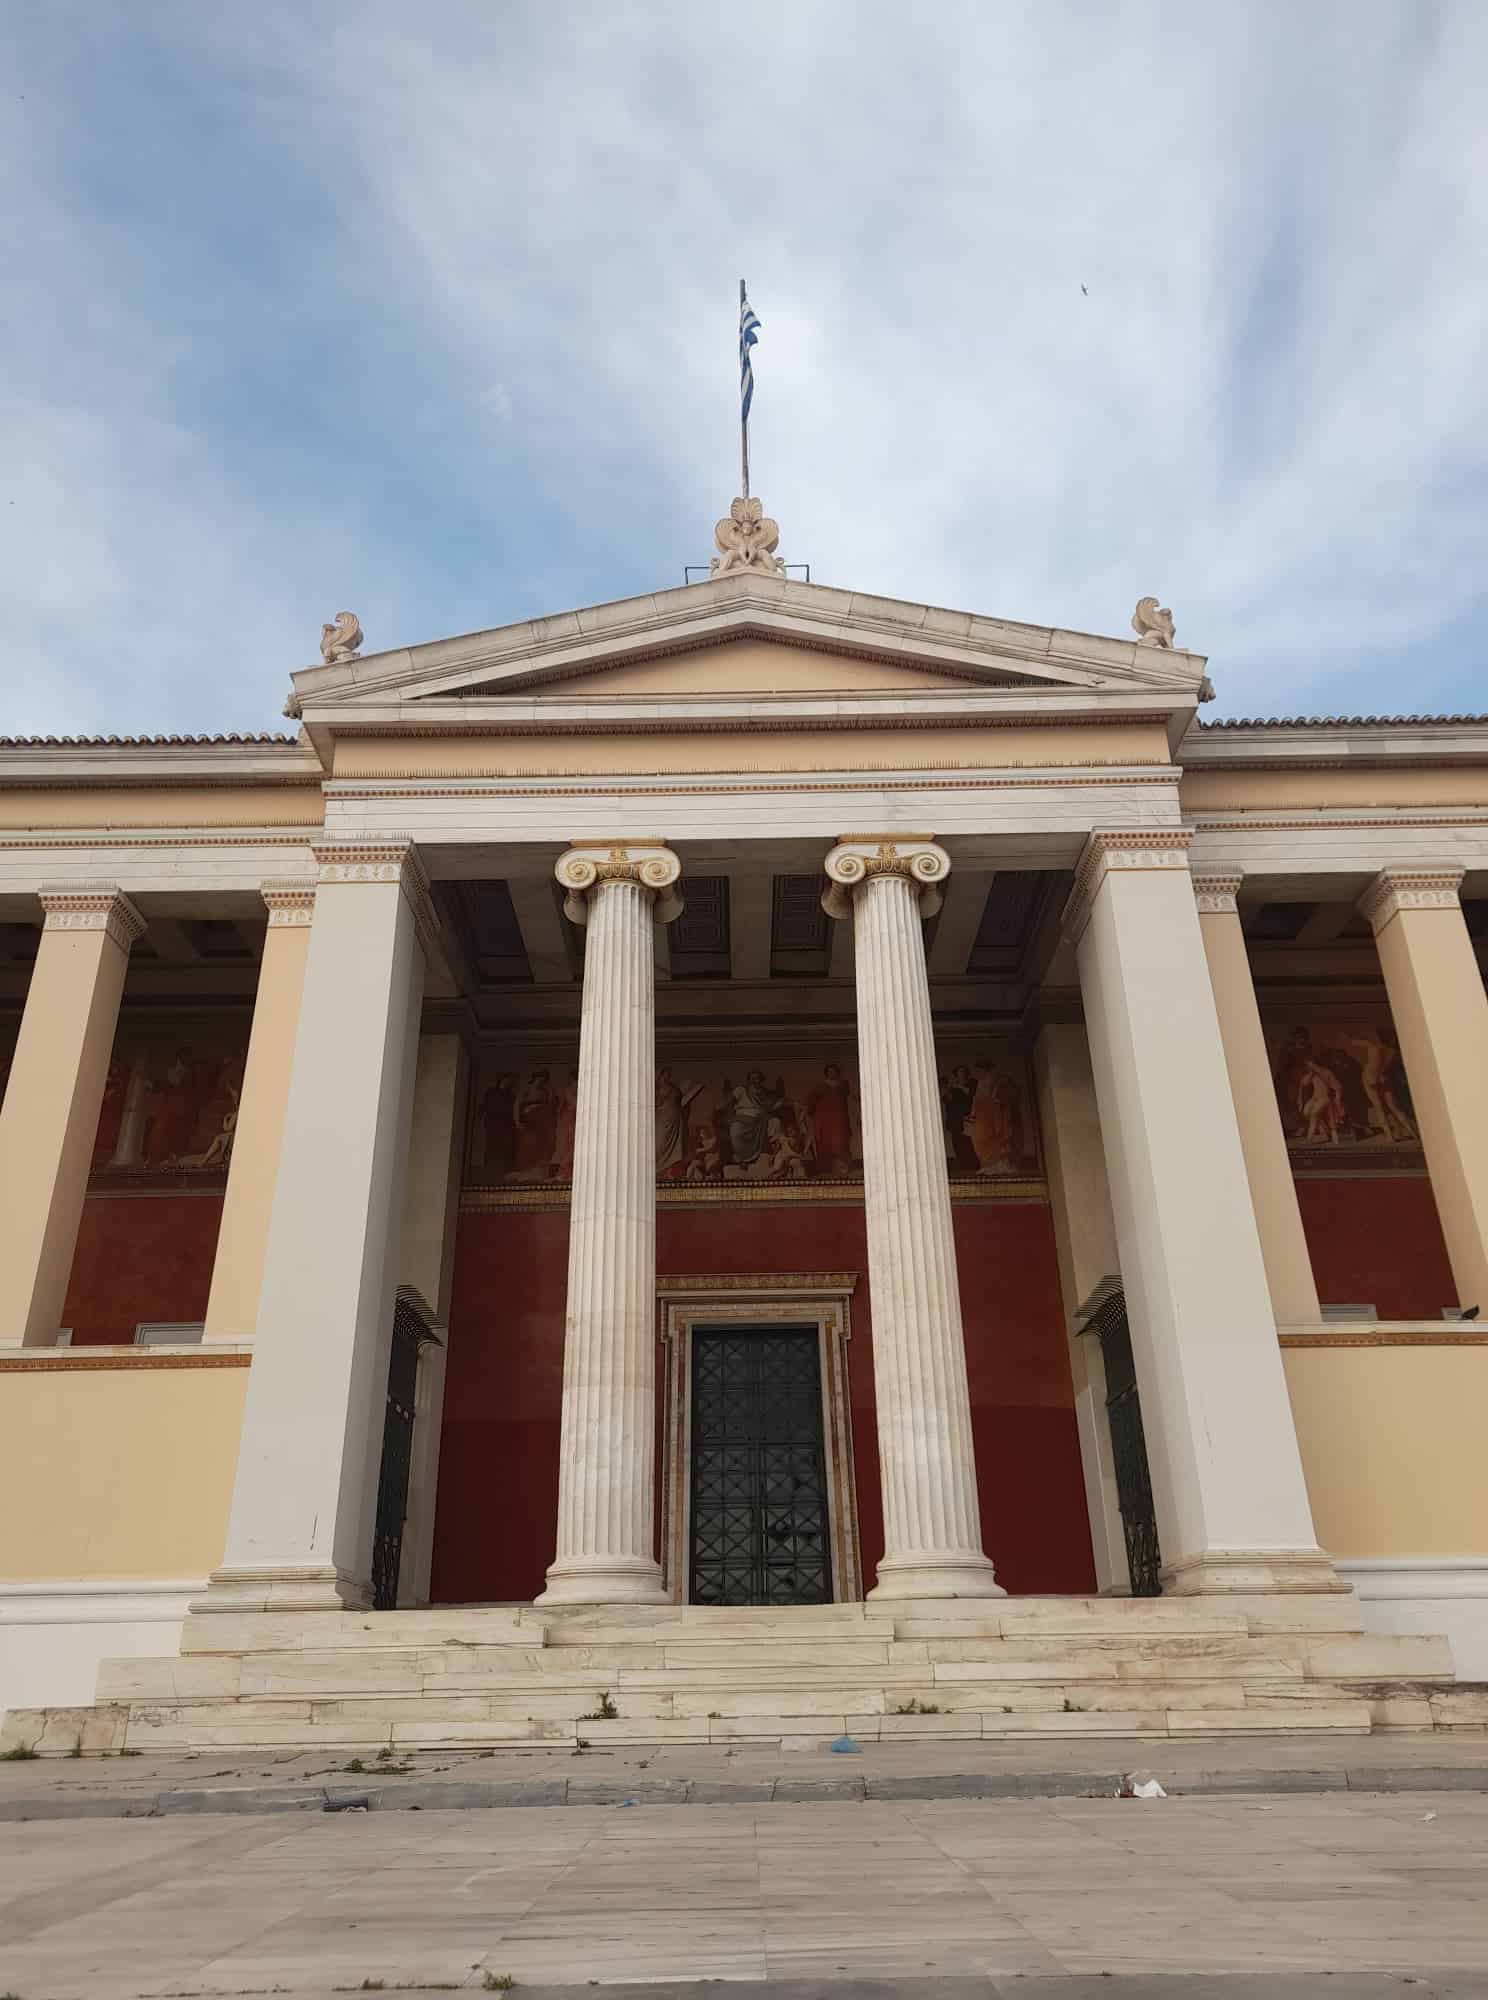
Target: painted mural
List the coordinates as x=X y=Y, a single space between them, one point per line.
x=1342 y=1088
x=170 y=1105
x=751 y=1117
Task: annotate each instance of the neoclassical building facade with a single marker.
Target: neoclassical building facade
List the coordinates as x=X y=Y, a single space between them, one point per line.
x=755 y=1108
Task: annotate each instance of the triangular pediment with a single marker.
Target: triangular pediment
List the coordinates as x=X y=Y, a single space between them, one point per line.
x=741 y=637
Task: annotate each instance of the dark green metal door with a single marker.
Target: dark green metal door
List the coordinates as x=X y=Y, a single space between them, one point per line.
x=758 y=1487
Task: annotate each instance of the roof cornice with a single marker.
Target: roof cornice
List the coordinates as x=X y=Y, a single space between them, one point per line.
x=546 y=650
x=1354 y=742
x=115 y=761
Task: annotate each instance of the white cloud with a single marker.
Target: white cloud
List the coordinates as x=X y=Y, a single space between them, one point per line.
x=1269 y=409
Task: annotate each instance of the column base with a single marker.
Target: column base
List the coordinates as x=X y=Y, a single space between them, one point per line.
x=1251 y=1572
x=604 y=1580
x=954 y=1573
x=308 y=1589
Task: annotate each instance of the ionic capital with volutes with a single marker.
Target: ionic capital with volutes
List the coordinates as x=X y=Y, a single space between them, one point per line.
x=590 y=867
x=1397 y=889
x=860 y=858
x=1216 y=889
x=1124 y=849
x=91 y=906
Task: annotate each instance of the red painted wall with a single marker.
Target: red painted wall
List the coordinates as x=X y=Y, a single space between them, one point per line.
x=1375 y=1239
x=498 y=1474
x=140 y=1258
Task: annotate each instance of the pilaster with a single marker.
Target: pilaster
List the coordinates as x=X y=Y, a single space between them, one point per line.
x=1232 y=1507
x=932 y=1520
x=1268 y=1167
x=300 y=1529
x=1440 y=1014
x=54 y=1097
x=237 y=1268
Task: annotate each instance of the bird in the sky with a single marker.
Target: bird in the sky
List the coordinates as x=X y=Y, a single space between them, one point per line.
x=1086 y=290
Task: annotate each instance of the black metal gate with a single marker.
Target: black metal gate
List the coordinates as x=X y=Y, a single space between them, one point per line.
x=759 y=1490
x=409 y=1334
x=1129 y=1448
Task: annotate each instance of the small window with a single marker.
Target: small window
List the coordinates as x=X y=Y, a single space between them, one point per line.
x=167 y=1332
x=1350 y=1312
x=64 y=1336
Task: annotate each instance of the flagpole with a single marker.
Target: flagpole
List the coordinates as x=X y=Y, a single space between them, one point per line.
x=743 y=418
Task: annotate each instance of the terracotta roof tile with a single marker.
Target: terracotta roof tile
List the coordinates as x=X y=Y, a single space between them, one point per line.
x=135 y=742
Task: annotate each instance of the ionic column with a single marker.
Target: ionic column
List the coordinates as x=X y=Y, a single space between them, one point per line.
x=54 y=1097
x=237 y=1268
x=607 y=1468
x=1268 y=1167
x=300 y=1531
x=1232 y=1507
x=932 y=1525
x=1441 y=1018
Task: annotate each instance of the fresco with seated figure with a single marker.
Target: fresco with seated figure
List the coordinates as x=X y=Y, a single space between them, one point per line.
x=768 y=1117
x=170 y=1103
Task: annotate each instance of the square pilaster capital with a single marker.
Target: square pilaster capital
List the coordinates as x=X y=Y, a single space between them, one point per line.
x=1121 y=850
x=1216 y=889
x=866 y=857
x=1397 y=889
x=290 y=903
x=382 y=857
x=91 y=906
x=590 y=866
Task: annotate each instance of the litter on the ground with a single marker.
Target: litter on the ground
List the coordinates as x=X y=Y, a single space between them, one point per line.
x=1140 y=1788
x=847 y=1746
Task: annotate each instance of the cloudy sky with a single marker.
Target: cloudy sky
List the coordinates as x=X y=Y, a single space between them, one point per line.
x=429 y=311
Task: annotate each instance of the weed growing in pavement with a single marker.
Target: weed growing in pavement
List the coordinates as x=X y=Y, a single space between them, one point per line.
x=497 y=1982
x=916 y=1707
x=22 y=1754
x=606 y=1712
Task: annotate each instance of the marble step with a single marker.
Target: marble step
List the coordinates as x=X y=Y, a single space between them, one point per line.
x=364 y=1728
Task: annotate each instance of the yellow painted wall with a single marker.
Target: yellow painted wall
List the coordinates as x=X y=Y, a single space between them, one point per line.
x=116 y=1472
x=785 y=751
x=1393 y=1446
x=1210 y=790
x=162 y=805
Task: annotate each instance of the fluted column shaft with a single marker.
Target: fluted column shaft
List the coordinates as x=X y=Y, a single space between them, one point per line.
x=607 y=1454
x=932 y=1522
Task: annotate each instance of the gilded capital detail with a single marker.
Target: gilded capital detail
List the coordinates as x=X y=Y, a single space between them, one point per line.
x=1397 y=889
x=861 y=858
x=1216 y=889
x=1164 y=847
x=584 y=871
x=91 y=906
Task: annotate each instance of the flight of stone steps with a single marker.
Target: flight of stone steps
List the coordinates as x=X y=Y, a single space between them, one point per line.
x=799 y=1677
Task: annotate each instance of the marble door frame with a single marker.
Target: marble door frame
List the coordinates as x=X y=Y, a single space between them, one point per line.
x=812 y=1298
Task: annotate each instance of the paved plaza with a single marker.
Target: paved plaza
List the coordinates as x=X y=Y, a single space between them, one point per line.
x=1298 y=1888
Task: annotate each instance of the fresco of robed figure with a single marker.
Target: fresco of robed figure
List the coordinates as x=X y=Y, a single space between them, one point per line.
x=170 y=1103
x=777 y=1119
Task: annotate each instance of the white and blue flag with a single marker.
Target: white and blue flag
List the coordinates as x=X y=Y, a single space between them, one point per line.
x=748 y=335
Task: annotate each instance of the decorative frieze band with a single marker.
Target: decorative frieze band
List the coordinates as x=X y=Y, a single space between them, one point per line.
x=1145 y=848
x=291 y=904
x=1216 y=890
x=585 y=869
x=91 y=906
x=1397 y=889
x=861 y=857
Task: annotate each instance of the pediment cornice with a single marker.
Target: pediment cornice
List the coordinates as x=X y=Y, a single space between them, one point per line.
x=550 y=654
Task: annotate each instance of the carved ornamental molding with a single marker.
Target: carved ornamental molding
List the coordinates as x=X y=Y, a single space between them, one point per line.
x=1397 y=889
x=584 y=871
x=383 y=858
x=859 y=858
x=1216 y=890
x=290 y=904
x=91 y=906
x=1143 y=849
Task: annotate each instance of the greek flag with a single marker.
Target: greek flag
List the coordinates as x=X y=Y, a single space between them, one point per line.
x=748 y=335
